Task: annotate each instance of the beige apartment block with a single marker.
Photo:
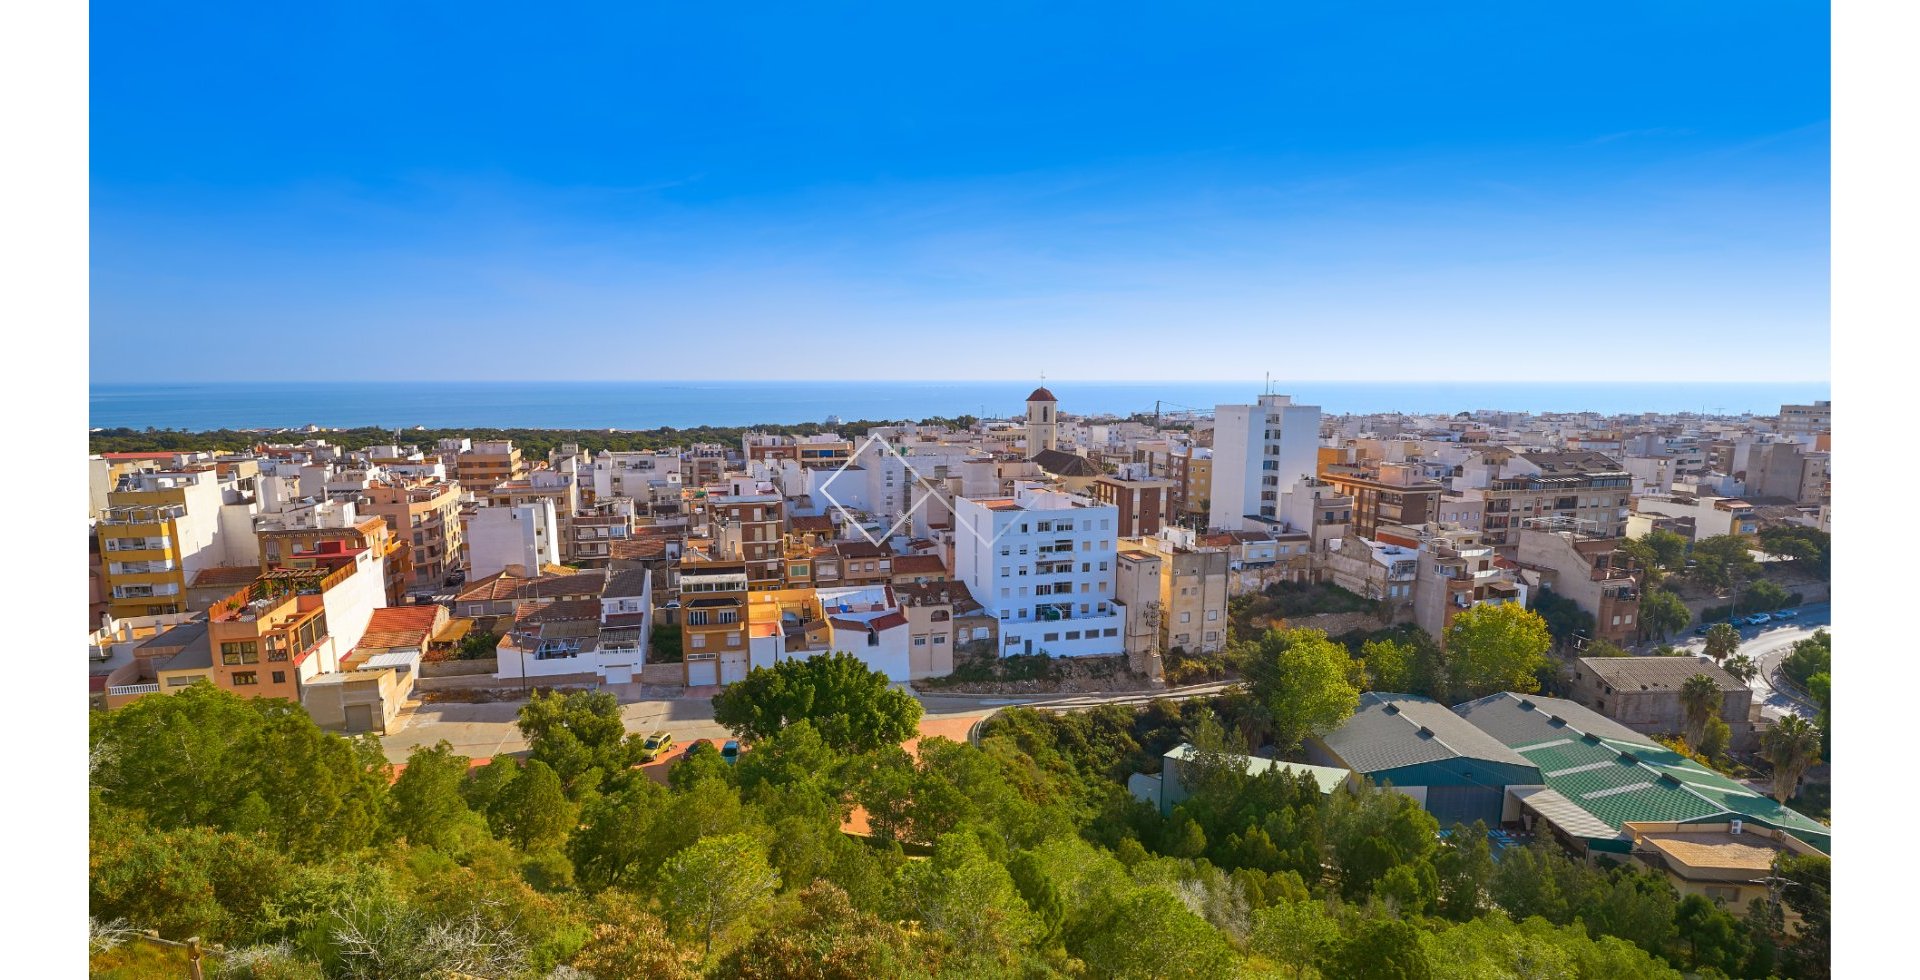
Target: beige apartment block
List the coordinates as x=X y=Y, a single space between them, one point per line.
x=426 y=518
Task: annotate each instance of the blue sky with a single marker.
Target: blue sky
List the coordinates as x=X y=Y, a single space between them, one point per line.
x=1094 y=190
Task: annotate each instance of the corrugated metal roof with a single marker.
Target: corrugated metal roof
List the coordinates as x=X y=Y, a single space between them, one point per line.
x=1562 y=812
x=1329 y=778
x=1618 y=775
x=398 y=658
x=1391 y=731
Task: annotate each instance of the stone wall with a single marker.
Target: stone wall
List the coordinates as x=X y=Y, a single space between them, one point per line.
x=459 y=668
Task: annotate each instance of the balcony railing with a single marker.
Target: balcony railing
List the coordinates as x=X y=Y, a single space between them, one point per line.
x=122 y=690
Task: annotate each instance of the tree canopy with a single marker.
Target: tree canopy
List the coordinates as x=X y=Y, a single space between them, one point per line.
x=1494 y=648
x=1304 y=682
x=848 y=704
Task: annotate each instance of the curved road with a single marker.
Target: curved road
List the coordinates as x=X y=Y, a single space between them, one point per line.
x=1770 y=644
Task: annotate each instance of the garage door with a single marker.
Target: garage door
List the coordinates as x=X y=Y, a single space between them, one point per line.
x=733 y=667
x=701 y=673
x=622 y=674
x=359 y=718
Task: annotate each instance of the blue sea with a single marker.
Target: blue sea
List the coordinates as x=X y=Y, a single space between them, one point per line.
x=685 y=404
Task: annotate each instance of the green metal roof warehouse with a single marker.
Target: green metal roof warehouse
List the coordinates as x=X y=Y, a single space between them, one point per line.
x=1597 y=775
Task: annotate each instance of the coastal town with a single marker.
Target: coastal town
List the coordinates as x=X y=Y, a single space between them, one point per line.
x=1673 y=568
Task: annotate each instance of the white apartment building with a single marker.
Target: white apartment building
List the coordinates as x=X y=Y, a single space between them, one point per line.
x=1044 y=563
x=526 y=536
x=1260 y=451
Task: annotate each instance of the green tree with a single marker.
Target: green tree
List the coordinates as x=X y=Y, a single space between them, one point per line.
x=1389 y=664
x=1662 y=613
x=716 y=883
x=966 y=895
x=1381 y=949
x=1792 y=747
x=1496 y=648
x=205 y=757
x=1564 y=617
x=574 y=732
x=1293 y=934
x=1742 y=667
x=1712 y=937
x=1808 y=548
x=1302 y=678
x=1724 y=561
x=1700 y=696
x=1765 y=595
x=1669 y=549
x=1821 y=687
x=1722 y=641
x=1807 y=887
x=1465 y=866
x=426 y=806
x=1153 y=935
x=532 y=811
x=613 y=846
x=1813 y=655
x=852 y=707
x=830 y=939
x=1715 y=739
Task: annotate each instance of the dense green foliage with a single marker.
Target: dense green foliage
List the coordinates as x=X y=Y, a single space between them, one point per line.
x=532 y=443
x=1029 y=859
x=1304 y=681
x=1564 y=617
x=1722 y=561
x=1662 y=613
x=1810 y=549
x=1813 y=655
x=849 y=704
x=1495 y=648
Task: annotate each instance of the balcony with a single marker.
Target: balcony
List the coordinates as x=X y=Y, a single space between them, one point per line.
x=129 y=690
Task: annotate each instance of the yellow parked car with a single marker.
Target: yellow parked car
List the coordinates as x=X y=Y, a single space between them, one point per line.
x=655 y=746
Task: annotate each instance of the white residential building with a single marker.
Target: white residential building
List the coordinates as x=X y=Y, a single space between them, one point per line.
x=1260 y=451
x=1043 y=562
x=527 y=536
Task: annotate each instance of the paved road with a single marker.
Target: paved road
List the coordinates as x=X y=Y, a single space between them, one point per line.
x=1768 y=645
x=481 y=731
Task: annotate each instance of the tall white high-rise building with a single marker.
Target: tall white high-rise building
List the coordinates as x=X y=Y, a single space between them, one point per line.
x=1259 y=452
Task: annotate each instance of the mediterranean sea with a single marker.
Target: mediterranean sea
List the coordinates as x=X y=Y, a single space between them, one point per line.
x=687 y=404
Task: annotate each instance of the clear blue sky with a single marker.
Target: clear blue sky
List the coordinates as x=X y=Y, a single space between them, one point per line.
x=367 y=190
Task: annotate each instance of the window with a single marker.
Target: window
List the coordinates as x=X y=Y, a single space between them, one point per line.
x=1073 y=634
x=980 y=632
x=939 y=641
x=239 y=653
x=1186 y=617
x=919 y=641
x=246 y=678
x=1110 y=631
x=733 y=639
x=279 y=677
x=699 y=639
x=1051 y=638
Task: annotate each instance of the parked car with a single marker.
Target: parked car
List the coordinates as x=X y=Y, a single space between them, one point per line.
x=656 y=745
x=731 y=751
x=1786 y=614
x=1759 y=619
x=1703 y=631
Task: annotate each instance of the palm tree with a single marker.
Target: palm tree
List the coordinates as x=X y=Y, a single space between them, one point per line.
x=1722 y=642
x=1793 y=747
x=1701 y=696
x=1743 y=668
